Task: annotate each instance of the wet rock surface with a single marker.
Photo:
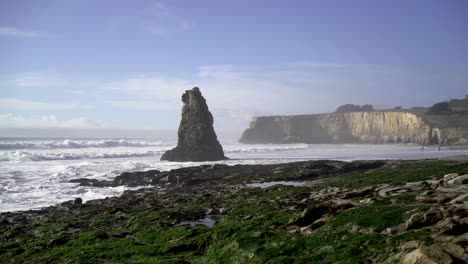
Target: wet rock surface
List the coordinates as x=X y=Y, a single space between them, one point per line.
x=359 y=212
x=237 y=174
x=197 y=139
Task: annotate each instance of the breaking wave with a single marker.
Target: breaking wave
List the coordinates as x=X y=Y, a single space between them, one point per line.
x=240 y=148
x=67 y=143
x=105 y=153
x=20 y=156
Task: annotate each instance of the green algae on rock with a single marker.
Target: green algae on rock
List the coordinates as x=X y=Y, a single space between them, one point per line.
x=355 y=213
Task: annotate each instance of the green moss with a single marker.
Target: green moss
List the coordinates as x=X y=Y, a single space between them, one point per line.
x=332 y=246
x=402 y=172
x=420 y=235
x=259 y=238
x=255 y=229
x=406 y=198
x=377 y=217
x=254 y=245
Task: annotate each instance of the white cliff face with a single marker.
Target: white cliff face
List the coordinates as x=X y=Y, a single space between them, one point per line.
x=358 y=127
x=388 y=127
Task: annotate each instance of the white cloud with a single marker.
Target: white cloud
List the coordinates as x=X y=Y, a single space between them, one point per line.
x=142 y=105
x=160 y=20
x=319 y=65
x=33 y=79
x=38 y=80
x=152 y=85
x=234 y=93
x=239 y=92
x=155 y=19
x=17 y=104
x=18 y=32
x=46 y=121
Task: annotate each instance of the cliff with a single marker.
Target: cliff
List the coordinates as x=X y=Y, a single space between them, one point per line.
x=359 y=127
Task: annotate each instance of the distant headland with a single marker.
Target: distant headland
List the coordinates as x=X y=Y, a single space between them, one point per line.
x=443 y=123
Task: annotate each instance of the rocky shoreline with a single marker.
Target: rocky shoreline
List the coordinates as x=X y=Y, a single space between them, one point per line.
x=356 y=212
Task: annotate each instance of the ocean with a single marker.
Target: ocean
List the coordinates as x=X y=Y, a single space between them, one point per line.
x=34 y=173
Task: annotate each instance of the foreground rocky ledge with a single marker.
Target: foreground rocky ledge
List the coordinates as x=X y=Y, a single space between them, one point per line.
x=359 y=212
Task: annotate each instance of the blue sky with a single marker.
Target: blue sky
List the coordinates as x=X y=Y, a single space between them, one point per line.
x=105 y=65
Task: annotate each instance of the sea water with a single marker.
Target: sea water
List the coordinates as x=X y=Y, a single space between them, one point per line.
x=35 y=173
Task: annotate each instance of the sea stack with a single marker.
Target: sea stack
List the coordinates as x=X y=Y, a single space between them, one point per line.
x=197 y=139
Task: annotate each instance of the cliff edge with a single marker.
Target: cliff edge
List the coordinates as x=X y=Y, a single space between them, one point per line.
x=371 y=127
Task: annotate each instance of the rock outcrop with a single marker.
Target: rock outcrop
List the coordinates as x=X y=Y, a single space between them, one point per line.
x=346 y=211
x=192 y=176
x=197 y=139
x=359 y=127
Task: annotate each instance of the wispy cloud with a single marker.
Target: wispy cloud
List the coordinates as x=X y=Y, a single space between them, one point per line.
x=141 y=105
x=238 y=92
x=18 y=32
x=330 y=65
x=156 y=19
x=160 y=20
x=235 y=93
x=18 y=104
x=32 y=79
x=45 y=121
x=155 y=86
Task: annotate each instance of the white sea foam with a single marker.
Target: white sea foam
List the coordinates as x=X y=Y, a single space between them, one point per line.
x=36 y=172
x=85 y=143
x=47 y=154
x=21 y=155
x=262 y=148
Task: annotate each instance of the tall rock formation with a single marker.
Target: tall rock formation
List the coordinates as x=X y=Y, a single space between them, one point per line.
x=197 y=139
x=359 y=127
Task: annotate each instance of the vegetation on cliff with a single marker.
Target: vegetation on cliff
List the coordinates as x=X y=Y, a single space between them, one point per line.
x=442 y=108
x=347 y=108
x=451 y=107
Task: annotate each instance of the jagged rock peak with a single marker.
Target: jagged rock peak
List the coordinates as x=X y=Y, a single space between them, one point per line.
x=197 y=139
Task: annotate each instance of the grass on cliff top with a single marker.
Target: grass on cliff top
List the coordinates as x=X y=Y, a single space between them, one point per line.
x=396 y=174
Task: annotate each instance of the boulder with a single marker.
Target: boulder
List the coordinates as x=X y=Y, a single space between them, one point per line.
x=423 y=219
x=462 y=179
x=78 y=201
x=456 y=251
x=197 y=139
x=428 y=255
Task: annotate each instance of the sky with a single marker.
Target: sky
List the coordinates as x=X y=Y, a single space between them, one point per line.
x=118 y=68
